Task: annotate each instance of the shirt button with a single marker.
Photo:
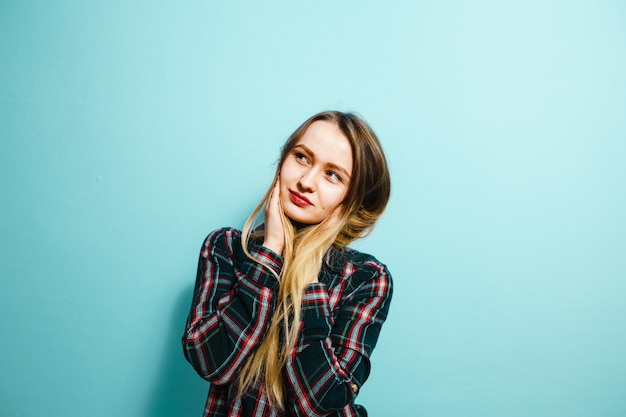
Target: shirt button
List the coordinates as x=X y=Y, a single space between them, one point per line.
x=355 y=388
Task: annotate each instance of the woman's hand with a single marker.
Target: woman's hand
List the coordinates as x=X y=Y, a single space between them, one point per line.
x=274 y=232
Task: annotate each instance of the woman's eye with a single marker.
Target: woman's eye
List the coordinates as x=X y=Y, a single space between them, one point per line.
x=300 y=157
x=333 y=175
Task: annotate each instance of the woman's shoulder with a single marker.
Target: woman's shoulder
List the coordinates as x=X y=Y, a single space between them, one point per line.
x=352 y=262
x=225 y=238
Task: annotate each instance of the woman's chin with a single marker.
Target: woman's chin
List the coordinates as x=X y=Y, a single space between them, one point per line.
x=299 y=225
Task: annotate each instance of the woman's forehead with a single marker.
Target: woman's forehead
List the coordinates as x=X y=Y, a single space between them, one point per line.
x=327 y=143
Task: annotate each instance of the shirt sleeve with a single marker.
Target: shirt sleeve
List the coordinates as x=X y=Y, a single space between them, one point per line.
x=327 y=370
x=233 y=302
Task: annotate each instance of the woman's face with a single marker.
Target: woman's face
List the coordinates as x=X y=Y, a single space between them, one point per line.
x=315 y=175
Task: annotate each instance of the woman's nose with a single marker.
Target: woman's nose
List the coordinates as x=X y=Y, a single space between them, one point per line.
x=307 y=180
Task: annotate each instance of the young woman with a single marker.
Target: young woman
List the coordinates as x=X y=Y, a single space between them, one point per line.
x=284 y=316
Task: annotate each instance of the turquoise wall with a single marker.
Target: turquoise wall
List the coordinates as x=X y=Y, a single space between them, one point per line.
x=129 y=130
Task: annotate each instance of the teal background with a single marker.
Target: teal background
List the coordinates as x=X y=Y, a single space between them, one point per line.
x=129 y=130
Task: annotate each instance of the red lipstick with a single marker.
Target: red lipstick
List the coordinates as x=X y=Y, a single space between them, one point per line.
x=298 y=199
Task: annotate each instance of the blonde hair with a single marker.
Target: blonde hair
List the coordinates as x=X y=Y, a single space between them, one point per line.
x=304 y=250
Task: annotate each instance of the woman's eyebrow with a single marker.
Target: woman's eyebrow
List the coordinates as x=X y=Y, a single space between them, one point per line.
x=338 y=168
x=305 y=148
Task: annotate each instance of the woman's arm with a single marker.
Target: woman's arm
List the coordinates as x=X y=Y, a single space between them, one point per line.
x=233 y=302
x=326 y=372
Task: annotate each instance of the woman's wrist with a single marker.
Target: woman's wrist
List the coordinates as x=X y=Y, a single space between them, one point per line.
x=274 y=246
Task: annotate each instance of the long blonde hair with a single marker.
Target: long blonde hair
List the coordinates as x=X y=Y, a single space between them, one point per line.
x=366 y=199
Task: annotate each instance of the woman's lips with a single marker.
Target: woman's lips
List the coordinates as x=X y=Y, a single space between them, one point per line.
x=298 y=199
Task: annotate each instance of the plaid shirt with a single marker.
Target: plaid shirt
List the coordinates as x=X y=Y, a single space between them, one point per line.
x=233 y=302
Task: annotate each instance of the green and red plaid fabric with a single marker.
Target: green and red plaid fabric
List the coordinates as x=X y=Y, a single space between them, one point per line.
x=233 y=302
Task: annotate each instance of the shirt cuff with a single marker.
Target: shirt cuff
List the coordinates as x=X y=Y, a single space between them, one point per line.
x=267 y=271
x=316 y=314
